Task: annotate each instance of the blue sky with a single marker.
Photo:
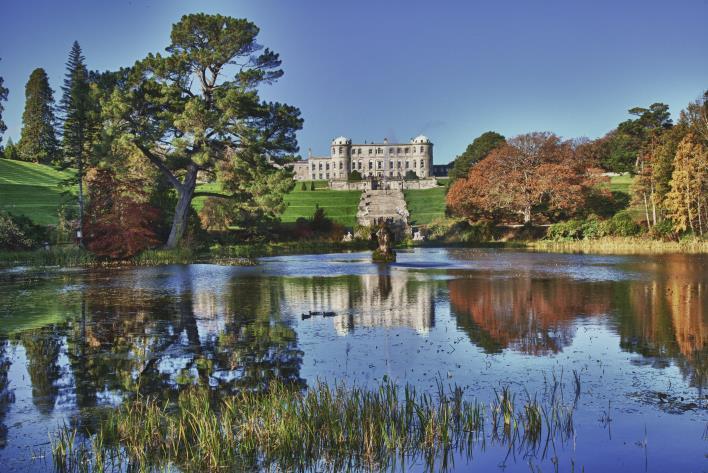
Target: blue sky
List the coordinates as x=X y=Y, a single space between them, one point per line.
x=375 y=69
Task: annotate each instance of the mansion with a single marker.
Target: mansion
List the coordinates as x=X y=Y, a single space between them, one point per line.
x=371 y=160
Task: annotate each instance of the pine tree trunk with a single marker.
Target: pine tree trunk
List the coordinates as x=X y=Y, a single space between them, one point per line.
x=184 y=201
x=80 y=172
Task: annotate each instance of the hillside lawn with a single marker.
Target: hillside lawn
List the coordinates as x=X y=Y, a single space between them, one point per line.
x=340 y=206
x=425 y=205
x=32 y=190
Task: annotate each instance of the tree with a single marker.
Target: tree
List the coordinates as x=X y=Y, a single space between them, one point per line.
x=38 y=140
x=119 y=216
x=475 y=152
x=76 y=108
x=533 y=174
x=355 y=176
x=188 y=114
x=654 y=170
x=625 y=145
x=410 y=175
x=10 y=151
x=687 y=201
x=3 y=98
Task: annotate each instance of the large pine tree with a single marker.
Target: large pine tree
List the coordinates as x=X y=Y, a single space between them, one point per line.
x=3 y=98
x=75 y=109
x=38 y=141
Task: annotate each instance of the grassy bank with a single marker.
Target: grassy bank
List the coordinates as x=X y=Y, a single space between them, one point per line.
x=622 y=245
x=328 y=428
x=32 y=190
x=72 y=256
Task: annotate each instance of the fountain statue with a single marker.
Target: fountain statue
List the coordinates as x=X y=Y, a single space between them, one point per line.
x=384 y=252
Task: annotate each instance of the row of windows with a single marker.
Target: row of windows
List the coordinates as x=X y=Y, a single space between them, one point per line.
x=391 y=164
x=357 y=151
x=370 y=174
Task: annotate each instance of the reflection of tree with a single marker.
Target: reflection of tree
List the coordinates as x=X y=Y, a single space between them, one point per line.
x=42 y=348
x=6 y=395
x=667 y=320
x=256 y=346
x=523 y=313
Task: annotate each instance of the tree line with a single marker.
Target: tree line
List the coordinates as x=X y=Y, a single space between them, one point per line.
x=538 y=177
x=142 y=137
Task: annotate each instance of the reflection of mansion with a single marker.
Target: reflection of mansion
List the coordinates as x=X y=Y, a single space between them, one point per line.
x=387 y=161
x=377 y=301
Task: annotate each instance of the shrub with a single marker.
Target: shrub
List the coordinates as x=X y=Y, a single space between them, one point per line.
x=568 y=230
x=312 y=185
x=303 y=187
x=664 y=230
x=19 y=233
x=622 y=224
x=411 y=175
x=355 y=176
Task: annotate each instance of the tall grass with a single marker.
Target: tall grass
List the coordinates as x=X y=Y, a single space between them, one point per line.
x=330 y=428
x=623 y=245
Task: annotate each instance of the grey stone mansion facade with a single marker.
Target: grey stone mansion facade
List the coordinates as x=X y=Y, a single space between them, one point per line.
x=372 y=160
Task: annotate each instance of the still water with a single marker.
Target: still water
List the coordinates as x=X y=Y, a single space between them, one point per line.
x=633 y=328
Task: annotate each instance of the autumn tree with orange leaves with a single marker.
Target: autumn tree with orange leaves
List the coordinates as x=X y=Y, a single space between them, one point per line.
x=534 y=177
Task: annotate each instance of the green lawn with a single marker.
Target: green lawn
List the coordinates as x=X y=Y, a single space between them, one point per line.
x=31 y=189
x=621 y=183
x=425 y=205
x=340 y=206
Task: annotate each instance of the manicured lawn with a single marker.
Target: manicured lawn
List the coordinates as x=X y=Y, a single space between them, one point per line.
x=621 y=183
x=32 y=190
x=425 y=205
x=341 y=206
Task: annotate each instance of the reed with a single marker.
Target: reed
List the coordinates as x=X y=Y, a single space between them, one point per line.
x=323 y=427
x=623 y=245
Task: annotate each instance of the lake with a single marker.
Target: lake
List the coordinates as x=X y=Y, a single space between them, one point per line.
x=632 y=330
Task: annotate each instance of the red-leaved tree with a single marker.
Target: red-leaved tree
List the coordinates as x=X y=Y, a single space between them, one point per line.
x=119 y=220
x=533 y=176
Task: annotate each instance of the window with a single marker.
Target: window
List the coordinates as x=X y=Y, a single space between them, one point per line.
x=406 y=149
x=398 y=150
x=353 y=165
x=421 y=149
x=408 y=164
x=359 y=164
x=320 y=170
x=340 y=165
x=369 y=150
x=327 y=175
x=422 y=163
x=320 y=175
x=314 y=168
x=390 y=151
x=327 y=166
x=398 y=164
x=390 y=164
x=333 y=151
x=379 y=164
x=371 y=165
x=414 y=163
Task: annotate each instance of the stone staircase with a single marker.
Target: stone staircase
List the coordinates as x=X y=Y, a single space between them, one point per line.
x=375 y=205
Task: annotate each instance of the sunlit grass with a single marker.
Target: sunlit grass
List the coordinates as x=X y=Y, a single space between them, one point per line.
x=324 y=427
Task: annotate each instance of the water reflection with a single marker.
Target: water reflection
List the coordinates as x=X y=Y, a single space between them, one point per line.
x=88 y=339
x=366 y=301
